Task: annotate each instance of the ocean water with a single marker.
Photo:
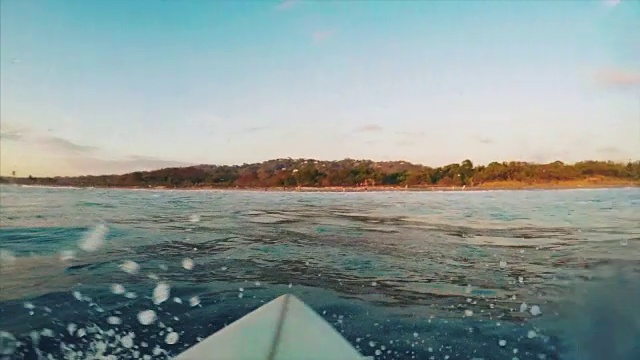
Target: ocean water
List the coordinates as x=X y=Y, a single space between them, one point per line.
x=118 y=274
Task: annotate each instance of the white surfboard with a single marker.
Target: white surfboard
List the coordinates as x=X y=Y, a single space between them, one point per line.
x=283 y=329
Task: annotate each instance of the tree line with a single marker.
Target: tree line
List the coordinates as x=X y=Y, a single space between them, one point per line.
x=351 y=173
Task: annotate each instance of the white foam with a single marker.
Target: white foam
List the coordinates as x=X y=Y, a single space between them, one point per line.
x=177 y=300
x=502 y=342
x=194 y=218
x=161 y=293
x=8 y=343
x=94 y=239
x=468 y=313
x=147 y=317
x=35 y=338
x=503 y=264
x=71 y=328
x=531 y=334
x=187 y=264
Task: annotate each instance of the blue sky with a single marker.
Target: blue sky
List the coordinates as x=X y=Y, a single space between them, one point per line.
x=116 y=86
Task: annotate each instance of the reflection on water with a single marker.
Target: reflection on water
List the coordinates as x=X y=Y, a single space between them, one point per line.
x=400 y=275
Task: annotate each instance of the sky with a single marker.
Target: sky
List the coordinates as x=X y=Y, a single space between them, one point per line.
x=101 y=87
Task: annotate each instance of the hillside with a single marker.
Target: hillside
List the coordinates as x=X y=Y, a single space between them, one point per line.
x=360 y=173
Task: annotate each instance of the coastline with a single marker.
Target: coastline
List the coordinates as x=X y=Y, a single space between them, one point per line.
x=492 y=186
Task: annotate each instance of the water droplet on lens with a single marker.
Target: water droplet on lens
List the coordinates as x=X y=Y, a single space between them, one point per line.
x=535 y=310
x=147 y=317
x=117 y=289
x=187 y=264
x=194 y=301
x=171 y=338
x=130 y=267
x=161 y=293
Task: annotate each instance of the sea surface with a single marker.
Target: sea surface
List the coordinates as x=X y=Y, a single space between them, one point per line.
x=119 y=274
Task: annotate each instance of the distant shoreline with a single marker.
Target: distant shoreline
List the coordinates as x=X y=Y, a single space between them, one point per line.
x=494 y=186
x=349 y=175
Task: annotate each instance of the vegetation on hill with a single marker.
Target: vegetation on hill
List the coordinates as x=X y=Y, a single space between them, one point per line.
x=352 y=173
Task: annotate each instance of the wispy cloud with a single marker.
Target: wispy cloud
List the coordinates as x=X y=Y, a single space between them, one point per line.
x=404 y=143
x=412 y=134
x=322 y=35
x=74 y=158
x=548 y=156
x=286 y=5
x=368 y=128
x=87 y=165
x=52 y=143
x=485 y=140
x=609 y=150
x=618 y=78
x=62 y=145
x=612 y=3
x=255 y=129
x=10 y=135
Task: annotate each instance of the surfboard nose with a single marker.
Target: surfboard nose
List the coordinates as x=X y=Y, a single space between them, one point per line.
x=283 y=329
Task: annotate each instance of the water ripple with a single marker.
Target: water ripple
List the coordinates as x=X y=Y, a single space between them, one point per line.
x=416 y=275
